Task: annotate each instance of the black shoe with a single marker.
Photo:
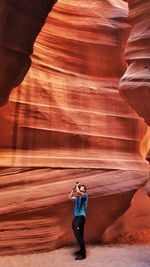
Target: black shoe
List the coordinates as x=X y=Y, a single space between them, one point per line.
x=80 y=257
x=77 y=253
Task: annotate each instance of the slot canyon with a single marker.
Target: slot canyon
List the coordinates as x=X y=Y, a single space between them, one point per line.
x=74 y=96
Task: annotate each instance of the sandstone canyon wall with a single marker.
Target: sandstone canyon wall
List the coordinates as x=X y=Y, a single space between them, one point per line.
x=20 y=23
x=135 y=83
x=67 y=112
x=67 y=122
x=134 y=225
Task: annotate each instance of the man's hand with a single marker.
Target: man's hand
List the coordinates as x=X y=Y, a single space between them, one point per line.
x=79 y=193
x=71 y=195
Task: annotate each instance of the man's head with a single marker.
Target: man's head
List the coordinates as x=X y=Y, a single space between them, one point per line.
x=82 y=188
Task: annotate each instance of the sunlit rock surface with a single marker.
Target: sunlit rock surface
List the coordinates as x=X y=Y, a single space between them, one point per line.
x=135 y=83
x=68 y=112
x=65 y=123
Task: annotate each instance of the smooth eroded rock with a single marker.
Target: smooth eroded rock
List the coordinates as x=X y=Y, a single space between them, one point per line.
x=135 y=83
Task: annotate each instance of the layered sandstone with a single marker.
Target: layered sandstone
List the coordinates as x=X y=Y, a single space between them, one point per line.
x=67 y=122
x=135 y=83
x=68 y=112
x=134 y=226
x=36 y=214
x=20 y=23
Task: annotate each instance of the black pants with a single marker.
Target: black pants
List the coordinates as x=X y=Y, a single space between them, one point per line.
x=78 y=229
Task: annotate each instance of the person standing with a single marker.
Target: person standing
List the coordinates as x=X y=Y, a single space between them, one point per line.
x=80 y=196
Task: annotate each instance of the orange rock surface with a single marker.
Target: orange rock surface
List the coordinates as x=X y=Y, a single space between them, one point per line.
x=134 y=226
x=68 y=112
x=36 y=214
x=20 y=23
x=67 y=122
x=135 y=83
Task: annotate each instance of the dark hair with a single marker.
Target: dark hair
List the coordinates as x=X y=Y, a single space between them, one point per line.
x=83 y=186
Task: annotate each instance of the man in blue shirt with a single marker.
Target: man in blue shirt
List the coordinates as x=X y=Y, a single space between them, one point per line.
x=80 y=196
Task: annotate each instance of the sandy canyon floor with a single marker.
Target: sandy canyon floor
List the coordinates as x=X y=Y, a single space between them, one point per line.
x=98 y=256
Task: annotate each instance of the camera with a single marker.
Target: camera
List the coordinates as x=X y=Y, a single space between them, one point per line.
x=77 y=184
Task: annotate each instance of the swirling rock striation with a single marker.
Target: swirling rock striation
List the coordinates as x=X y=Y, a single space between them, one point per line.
x=135 y=83
x=134 y=225
x=68 y=112
x=36 y=214
x=67 y=122
x=20 y=23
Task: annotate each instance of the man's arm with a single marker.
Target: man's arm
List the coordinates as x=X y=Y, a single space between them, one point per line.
x=71 y=195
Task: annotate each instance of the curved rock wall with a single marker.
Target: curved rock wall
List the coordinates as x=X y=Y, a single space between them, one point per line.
x=68 y=112
x=134 y=226
x=67 y=122
x=36 y=214
x=20 y=23
x=135 y=83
